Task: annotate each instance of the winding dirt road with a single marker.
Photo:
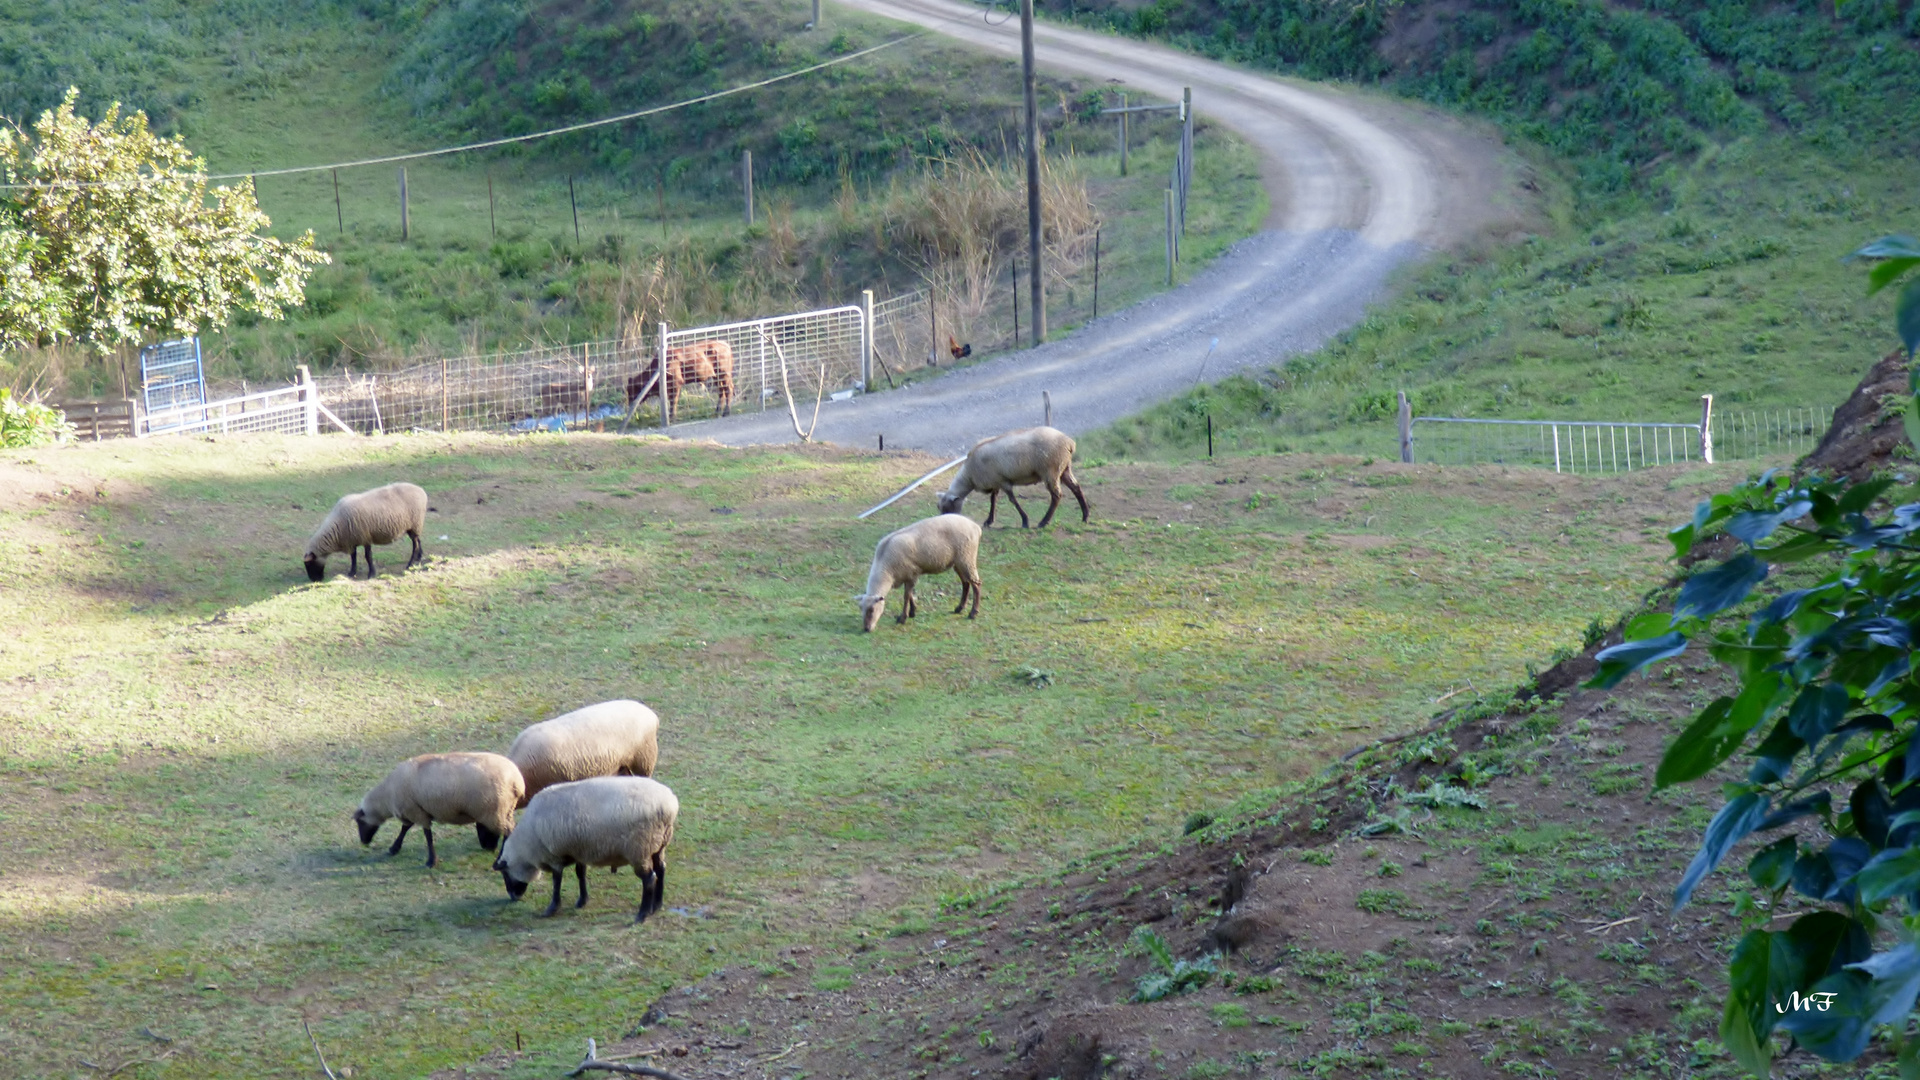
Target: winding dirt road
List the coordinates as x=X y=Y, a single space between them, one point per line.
x=1358 y=186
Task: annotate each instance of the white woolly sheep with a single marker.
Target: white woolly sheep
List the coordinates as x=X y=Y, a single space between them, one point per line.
x=929 y=546
x=363 y=520
x=611 y=821
x=481 y=790
x=1041 y=455
x=609 y=739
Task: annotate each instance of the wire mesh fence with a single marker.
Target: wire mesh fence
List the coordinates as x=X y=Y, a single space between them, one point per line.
x=1563 y=446
x=290 y=410
x=549 y=388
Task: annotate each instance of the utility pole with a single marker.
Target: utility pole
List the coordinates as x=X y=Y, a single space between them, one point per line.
x=1038 y=303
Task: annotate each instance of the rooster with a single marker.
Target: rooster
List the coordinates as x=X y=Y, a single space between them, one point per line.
x=959 y=351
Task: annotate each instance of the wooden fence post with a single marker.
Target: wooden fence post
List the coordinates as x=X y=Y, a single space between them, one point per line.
x=404 y=232
x=746 y=180
x=1046 y=408
x=664 y=421
x=1406 y=428
x=1169 y=237
x=1123 y=134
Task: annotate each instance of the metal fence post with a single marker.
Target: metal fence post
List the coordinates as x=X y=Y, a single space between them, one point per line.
x=1406 y=428
x=1046 y=408
x=1169 y=237
x=310 y=397
x=1706 y=428
x=443 y=394
x=664 y=421
x=403 y=204
x=866 y=341
x=746 y=180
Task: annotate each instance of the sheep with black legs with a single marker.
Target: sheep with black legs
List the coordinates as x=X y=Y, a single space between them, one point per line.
x=929 y=546
x=481 y=790
x=606 y=821
x=360 y=521
x=1041 y=455
x=609 y=739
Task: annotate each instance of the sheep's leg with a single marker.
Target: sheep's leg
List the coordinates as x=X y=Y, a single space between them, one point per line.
x=580 y=872
x=353 y=561
x=906 y=605
x=652 y=894
x=1053 y=489
x=395 y=849
x=370 y=570
x=993 y=507
x=420 y=551
x=1017 y=506
x=554 y=905
x=488 y=838
x=1074 y=486
x=965 y=588
x=428 y=829
x=976 y=599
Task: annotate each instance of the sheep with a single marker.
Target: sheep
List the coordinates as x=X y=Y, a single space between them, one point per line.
x=482 y=790
x=1041 y=455
x=930 y=546
x=363 y=520
x=608 y=739
x=611 y=821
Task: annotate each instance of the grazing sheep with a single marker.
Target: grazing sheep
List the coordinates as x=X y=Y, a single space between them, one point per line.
x=1041 y=455
x=481 y=790
x=930 y=546
x=611 y=821
x=371 y=517
x=608 y=739
x=709 y=362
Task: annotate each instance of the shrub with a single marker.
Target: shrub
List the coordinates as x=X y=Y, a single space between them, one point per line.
x=29 y=423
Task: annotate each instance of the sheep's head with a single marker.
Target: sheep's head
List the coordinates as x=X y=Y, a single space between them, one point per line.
x=870 y=609
x=368 y=824
x=316 y=567
x=516 y=872
x=950 y=503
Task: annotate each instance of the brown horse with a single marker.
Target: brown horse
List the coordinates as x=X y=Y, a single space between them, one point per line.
x=709 y=362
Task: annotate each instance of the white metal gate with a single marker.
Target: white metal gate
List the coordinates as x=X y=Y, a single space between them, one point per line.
x=822 y=352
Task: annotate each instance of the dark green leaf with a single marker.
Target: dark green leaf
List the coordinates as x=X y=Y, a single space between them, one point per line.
x=1682 y=539
x=1752 y=526
x=1817 y=711
x=1718 y=731
x=1878 y=990
x=1647 y=624
x=1728 y=827
x=1771 y=867
x=1889 y=271
x=1861 y=495
x=1818 y=803
x=1888 y=874
x=1906 y=316
x=1736 y=1031
x=1624 y=659
x=1827 y=875
x=1720 y=588
x=1872 y=811
x=1798 y=548
x=1774 y=756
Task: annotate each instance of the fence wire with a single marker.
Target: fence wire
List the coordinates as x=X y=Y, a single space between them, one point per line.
x=1758 y=433
x=549 y=388
x=1575 y=447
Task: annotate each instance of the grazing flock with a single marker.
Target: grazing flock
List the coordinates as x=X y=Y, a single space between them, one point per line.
x=577 y=790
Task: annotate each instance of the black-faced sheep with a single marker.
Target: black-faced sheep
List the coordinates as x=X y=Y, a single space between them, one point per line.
x=608 y=739
x=360 y=521
x=481 y=790
x=1041 y=455
x=607 y=821
x=930 y=546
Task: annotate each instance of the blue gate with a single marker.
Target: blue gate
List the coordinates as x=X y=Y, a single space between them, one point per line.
x=173 y=384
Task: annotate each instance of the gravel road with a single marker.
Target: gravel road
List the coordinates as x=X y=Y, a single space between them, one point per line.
x=1359 y=186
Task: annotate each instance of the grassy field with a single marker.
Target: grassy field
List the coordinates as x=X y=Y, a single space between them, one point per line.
x=1735 y=287
x=189 y=723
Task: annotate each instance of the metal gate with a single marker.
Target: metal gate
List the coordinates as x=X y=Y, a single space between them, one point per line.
x=173 y=384
x=812 y=353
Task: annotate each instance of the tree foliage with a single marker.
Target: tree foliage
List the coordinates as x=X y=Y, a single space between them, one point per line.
x=110 y=234
x=1827 y=676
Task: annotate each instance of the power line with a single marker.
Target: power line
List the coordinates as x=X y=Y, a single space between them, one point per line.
x=488 y=144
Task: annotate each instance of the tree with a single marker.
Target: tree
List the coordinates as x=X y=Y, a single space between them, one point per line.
x=107 y=235
x=1834 y=661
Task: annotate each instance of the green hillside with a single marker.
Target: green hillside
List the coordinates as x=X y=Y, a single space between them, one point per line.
x=553 y=241
x=1706 y=166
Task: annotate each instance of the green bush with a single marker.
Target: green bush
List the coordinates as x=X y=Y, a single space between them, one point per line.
x=29 y=423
